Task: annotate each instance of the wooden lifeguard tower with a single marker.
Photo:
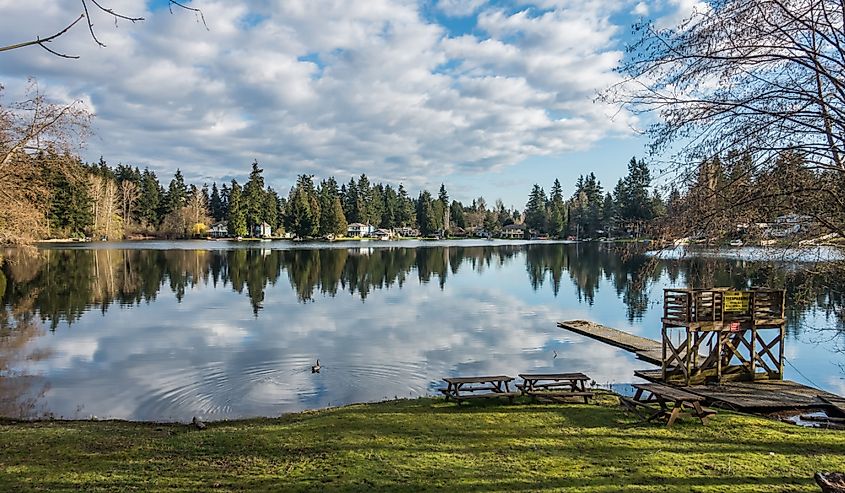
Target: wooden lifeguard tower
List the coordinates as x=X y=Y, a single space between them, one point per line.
x=722 y=334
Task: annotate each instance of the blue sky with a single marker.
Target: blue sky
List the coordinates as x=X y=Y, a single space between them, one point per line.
x=488 y=97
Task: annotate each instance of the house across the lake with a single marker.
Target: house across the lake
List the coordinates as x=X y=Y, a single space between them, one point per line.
x=514 y=231
x=359 y=230
x=458 y=232
x=219 y=230
x=407 y=232
x=382 y=234
x=263 y=230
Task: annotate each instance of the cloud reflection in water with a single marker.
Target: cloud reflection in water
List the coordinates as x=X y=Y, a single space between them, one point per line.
x=229 y=333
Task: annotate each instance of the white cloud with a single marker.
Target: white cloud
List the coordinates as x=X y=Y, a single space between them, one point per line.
x=330 y=87
x=641 y=9
x=677 y=11
x=460 y=8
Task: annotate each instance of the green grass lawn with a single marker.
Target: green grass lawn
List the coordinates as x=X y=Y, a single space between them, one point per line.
x=418 y=445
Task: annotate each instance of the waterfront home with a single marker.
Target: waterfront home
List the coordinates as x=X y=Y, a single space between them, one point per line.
x=382 y=234
x=359 y=230
x=513 y=231
x=458 y=232
x=219 y=230
x=407 y=232
x=263 y=230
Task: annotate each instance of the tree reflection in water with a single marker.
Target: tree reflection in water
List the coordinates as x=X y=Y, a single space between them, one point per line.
x=53 y=288
x=59 y=285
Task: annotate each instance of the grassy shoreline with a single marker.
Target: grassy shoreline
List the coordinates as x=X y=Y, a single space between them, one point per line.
x=421 y=445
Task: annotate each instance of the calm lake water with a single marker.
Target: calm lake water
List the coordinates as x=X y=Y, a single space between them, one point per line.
x=170 y=330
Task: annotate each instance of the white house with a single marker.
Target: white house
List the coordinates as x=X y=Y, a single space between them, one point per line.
x=359 y=230
x=219 y=230
x=263 y=230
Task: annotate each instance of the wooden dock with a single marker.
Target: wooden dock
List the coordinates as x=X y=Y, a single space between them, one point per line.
x=646 y=349
x=753 y=396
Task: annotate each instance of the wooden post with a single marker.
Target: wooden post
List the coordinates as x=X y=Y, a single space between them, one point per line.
x=719 y=358
x=688 y=356
x=780 y=355
x=753 y=353
x=664 y=351
x=782 y=331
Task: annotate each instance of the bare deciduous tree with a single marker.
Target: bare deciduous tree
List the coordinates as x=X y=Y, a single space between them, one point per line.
x=129 y=195
x=85 y=13
x=34 y=127
x=766 y=78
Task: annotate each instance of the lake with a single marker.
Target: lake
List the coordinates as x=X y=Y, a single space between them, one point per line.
x=166 y=331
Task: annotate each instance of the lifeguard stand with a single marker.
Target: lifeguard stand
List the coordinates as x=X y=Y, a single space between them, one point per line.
x=722 y=334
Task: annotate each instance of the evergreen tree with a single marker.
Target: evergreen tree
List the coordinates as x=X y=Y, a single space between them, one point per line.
x=70 y=206
x=426 y=214
x=585 y=208
x=216 y=203
x=620 y=201
x=535 y=209
x=363 y=206
x=332 y=219
x=270 y=210
x=376 y=205
x=555 y=221
x=637 y=205
x=304 y=208
x=442 y=208
x=177 y=194
x=390 y=208
x=609 y=214
x=556 y=210
x=224 y=202
x=351 y=202
x=149 y=202
x=456 y=214
x=253 y=198
x=405 y=215
x=237 y=214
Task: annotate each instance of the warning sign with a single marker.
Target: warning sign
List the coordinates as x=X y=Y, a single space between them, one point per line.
x=736 y=301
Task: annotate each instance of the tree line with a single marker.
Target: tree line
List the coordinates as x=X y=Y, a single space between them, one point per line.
x=633 y=207
x=111 y=202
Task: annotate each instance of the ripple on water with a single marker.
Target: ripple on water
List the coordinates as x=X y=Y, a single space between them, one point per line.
x=268 y=387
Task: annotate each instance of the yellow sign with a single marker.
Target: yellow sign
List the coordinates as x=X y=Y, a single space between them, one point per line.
x=736 y=301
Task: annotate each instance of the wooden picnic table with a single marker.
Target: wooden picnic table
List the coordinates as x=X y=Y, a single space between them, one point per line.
x=672 y=402
x=555 y=386
x=463 y=388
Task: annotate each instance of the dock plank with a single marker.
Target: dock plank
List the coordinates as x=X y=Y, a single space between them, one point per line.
x=757 y=395
x=648 y=350
x=761 y=395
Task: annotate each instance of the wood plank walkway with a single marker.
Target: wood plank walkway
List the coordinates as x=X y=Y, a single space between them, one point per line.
x=759 y=396
x=648 y=350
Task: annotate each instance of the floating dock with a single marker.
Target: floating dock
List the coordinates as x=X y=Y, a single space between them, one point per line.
x=761 y=396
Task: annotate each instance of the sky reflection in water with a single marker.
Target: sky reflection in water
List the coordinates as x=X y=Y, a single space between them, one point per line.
x=166 y=334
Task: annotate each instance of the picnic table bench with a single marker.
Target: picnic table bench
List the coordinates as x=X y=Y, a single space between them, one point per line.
x=463 y=388
x=555 y=386
x=671 y=402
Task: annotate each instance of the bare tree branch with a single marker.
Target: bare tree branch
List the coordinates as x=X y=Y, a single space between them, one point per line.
x=39 y=41
x=85 y=13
